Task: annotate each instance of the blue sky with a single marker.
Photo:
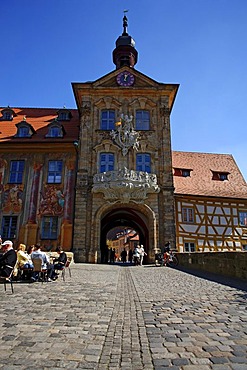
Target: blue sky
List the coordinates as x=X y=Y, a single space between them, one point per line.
x=200 y=44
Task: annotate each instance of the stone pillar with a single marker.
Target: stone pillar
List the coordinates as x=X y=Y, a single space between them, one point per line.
x=34 y=194
x=32 y=227
x=166 y=196
x=69 y=191
x=67 y=224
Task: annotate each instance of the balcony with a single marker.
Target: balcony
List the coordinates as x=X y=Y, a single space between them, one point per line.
x=125 y=185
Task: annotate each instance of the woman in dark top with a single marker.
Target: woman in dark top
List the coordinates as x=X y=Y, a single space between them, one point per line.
x=59 y=263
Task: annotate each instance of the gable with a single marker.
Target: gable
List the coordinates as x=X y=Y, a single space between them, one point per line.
x=141 y=80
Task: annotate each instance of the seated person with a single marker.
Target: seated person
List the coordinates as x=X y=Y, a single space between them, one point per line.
x=60 y=262
x=24 y=260
x=38 y=254
x=167 y=252
x=8 y=259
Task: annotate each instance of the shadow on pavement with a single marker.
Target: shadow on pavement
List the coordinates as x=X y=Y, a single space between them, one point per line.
x=224 y=280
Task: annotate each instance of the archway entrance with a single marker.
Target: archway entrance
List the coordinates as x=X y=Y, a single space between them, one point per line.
x=121 y=219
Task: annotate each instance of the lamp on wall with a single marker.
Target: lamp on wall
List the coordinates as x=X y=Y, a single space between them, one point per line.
x=76 y=144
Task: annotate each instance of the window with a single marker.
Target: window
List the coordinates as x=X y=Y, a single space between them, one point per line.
x=220 y=176
x=142 y=120
x=63 y=115
x=23 y=131
x=189 y=247
x=107 y=121
x=106 y=162
x=182 y=172
x=143 y=162
x=16 y=172
x=8 y=114
x=9 y=227
x=55 y=172
x=243 y=218
x=185 y=173
x=49 y=227
x=55 y=131
x=188 y=215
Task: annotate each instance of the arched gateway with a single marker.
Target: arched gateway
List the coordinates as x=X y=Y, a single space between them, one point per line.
x=138 y=217
x=124 y=171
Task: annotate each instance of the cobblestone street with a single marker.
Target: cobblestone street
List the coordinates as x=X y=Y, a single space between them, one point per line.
x=115 y=317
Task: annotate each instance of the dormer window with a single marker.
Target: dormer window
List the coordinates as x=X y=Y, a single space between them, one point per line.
x=8 y=114
x=183 y=172
x=64 y=115
x=55 y=129
x=220 y=176
x=24 y=129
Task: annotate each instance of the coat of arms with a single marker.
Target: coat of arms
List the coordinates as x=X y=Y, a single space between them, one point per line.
x=125 y=135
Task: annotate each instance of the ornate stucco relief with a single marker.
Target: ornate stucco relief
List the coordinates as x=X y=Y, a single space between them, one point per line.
x=125 y=185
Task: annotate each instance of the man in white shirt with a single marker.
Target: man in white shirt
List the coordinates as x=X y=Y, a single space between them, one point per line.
x=142 y=254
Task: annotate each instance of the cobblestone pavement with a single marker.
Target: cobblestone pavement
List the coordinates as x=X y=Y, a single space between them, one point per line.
x=115 y=317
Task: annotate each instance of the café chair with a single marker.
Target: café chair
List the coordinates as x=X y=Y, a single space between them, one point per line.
x=41 y=272
x=25 y=273
x=7 y=280
x=67 y=266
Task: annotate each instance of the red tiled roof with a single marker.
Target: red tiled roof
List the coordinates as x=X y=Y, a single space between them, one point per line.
x=200 y=180
x=39 y=119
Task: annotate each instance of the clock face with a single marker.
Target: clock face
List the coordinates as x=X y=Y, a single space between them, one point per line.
x=125 y=79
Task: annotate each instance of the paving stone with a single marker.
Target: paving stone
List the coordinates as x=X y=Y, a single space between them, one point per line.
x=112 y=317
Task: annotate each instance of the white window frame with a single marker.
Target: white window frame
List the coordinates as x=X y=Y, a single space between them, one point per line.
x=243 y=218
x=188 y=215
x=189 y=247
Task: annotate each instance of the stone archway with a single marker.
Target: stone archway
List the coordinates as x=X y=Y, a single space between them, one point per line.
x=138 y=216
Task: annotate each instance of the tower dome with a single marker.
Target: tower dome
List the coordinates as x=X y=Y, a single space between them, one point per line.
x=125 y=53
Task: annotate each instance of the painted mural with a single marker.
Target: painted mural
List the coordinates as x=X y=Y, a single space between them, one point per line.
x=12 y=201
x=52 y=201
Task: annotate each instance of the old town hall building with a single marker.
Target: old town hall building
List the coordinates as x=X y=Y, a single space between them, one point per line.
x=70 y=176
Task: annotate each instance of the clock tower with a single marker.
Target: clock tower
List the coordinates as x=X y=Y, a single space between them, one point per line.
x=124 y=172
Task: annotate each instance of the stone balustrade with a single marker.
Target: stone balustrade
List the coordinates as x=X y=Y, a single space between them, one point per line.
x=232 y=264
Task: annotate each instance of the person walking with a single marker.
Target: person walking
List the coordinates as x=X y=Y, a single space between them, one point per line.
x=123 y=255
x=130 y=256
x=142 y=254
x=136 y=255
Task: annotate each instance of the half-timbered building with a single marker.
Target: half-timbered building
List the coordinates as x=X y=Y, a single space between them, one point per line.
x=211 y=202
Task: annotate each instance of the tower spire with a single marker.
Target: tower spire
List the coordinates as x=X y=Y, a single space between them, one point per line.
x=125 y=52
x=125 y=24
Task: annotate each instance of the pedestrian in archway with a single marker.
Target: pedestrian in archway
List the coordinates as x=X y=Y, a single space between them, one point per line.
x=136 y=255
x=123 y=255
x=142 y=254
x=112 y=255
x=130 y=256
